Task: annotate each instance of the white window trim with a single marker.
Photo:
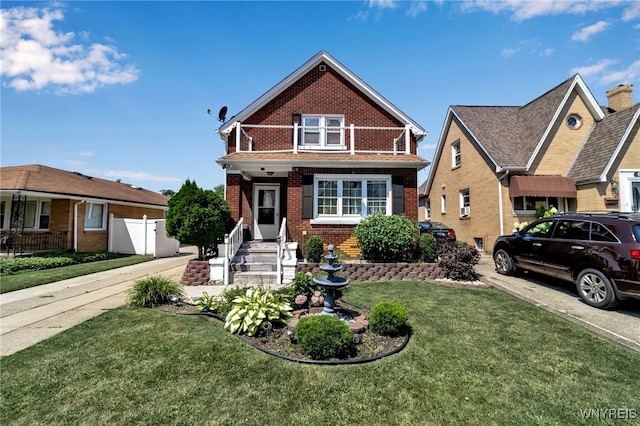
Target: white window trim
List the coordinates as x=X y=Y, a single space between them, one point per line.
x=427 y=208
x=339 y=219
x=563 y=205
x=443 y=204
x=465 y=203
x=456 y=155
x=322 y=130
x=104 y=217
x=38 y=213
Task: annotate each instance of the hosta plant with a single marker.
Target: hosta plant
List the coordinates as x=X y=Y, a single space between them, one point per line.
x=257 y=305
x=208 y=303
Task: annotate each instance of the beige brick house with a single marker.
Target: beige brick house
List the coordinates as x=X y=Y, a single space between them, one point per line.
x=323 y=150
x=494 y=165
x=44 y=208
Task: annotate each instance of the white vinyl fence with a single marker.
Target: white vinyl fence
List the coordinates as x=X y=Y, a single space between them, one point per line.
x=141 y=236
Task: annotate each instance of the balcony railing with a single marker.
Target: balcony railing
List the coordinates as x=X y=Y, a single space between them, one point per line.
x=254 y=137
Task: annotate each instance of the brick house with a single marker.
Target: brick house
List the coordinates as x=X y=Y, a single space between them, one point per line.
x=494 y=165
x=43 y=208
x=323 y=150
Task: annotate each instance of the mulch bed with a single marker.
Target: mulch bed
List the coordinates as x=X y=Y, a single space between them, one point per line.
x=278 y=343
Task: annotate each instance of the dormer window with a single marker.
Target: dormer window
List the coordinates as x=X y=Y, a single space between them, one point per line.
x=322 y=131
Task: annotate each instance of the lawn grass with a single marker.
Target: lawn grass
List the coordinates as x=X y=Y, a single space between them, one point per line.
x=28 y=279
x=476 y=357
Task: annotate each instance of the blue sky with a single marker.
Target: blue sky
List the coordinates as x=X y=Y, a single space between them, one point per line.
x=120 y=90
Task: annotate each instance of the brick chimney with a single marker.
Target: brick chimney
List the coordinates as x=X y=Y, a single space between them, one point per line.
x=620 y=97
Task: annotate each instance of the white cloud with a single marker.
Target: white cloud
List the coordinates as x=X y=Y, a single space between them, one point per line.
x=585 y=33
x=547 y=52
x=416 y=8
x=593 y=70
x=35 y=56
x=605 y=74
x=85 y=154
x=626 y=75
x=509 y=52
x=631 y=12
x=138 y=176
x=522 y=10
x=383 y=4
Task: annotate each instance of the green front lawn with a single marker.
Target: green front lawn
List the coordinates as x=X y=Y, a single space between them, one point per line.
x=476 y=357
x=26 y=279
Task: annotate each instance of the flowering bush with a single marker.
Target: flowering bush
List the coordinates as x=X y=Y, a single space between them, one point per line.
x=519 y=226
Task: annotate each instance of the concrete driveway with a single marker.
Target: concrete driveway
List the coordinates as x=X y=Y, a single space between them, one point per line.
x=620 y=325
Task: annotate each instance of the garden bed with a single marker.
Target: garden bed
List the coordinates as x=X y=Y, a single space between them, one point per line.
x=277 y=343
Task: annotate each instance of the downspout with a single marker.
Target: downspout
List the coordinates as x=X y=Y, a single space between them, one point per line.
x=500 y=179
x=75 y=225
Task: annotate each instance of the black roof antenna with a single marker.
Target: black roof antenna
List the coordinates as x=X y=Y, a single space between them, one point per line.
x=222 y=115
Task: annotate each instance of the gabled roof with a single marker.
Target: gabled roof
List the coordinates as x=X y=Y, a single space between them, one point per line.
x=607 y=139
x=511 y=136
x=320 y=57
x=57 y=183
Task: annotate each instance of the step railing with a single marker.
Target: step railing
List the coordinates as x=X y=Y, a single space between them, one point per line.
x=232 y=242
x=281 y=240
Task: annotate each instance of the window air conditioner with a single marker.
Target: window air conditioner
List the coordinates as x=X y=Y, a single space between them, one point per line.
x=464 y=211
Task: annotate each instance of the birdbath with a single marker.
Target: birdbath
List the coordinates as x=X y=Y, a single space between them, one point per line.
x=330 y=282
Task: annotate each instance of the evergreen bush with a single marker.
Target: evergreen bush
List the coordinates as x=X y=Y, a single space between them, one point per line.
x=389 y=319
x=313 y=249
x=324 y=337
x=427 y=248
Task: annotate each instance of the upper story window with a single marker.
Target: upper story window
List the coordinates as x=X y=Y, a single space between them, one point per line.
x=443 y=203
x=455 y=154
x=574 y=121
x=95 y=217
x=465 y=203
x=352 y=197
x=427 y=206
x=322 y=131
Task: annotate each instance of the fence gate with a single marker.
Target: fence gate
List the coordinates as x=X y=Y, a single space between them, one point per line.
x=141 y=236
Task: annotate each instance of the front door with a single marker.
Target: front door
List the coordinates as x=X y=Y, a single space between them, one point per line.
x=266 y=211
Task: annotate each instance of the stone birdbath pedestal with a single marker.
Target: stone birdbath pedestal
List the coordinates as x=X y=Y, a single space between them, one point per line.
x=330 y=282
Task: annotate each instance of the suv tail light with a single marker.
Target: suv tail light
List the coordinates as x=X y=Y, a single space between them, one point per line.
x=634 y=253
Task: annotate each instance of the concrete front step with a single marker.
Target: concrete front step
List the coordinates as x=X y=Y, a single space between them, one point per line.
x=254 y=279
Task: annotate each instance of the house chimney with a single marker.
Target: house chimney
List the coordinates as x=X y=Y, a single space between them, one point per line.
x=620 y=97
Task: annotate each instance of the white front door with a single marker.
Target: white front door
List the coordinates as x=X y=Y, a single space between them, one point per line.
x=266 y=211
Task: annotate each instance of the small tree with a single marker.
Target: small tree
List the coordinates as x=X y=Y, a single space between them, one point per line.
x=197 y=216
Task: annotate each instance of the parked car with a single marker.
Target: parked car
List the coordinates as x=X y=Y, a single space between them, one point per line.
x=600 y=253
x=437 y=229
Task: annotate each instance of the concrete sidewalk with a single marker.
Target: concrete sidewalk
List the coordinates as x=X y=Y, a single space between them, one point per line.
x=34 y=314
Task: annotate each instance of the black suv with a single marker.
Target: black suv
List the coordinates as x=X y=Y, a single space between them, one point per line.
x=600 y=253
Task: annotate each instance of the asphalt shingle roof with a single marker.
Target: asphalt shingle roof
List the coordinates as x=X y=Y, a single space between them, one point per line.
x=38 y=178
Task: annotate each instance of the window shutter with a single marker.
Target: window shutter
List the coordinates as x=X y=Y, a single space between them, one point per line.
x=307 y=196
x=398 y=194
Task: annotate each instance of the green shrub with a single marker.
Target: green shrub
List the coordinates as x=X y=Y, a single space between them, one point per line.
x=427 y=248
x=253 y=308
x=207 y=303
x=313 y=249
x=389 y=319
x=458 y=259
x=302 y=284
x=152 y=291
x=386 y=238
x=324 y=337
x=12 y=265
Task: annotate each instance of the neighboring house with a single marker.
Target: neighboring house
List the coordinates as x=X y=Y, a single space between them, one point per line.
x=494 y=165
x=43 y=208
x=323 y=150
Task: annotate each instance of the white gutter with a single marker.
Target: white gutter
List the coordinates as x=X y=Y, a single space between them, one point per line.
x=75 y=225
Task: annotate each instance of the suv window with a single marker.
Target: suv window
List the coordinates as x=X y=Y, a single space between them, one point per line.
x=540 y=230
x=572 y=230
x=600 y=233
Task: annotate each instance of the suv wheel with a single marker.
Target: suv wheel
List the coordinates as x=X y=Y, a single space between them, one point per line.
x=595 y=289
x=503 y=262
